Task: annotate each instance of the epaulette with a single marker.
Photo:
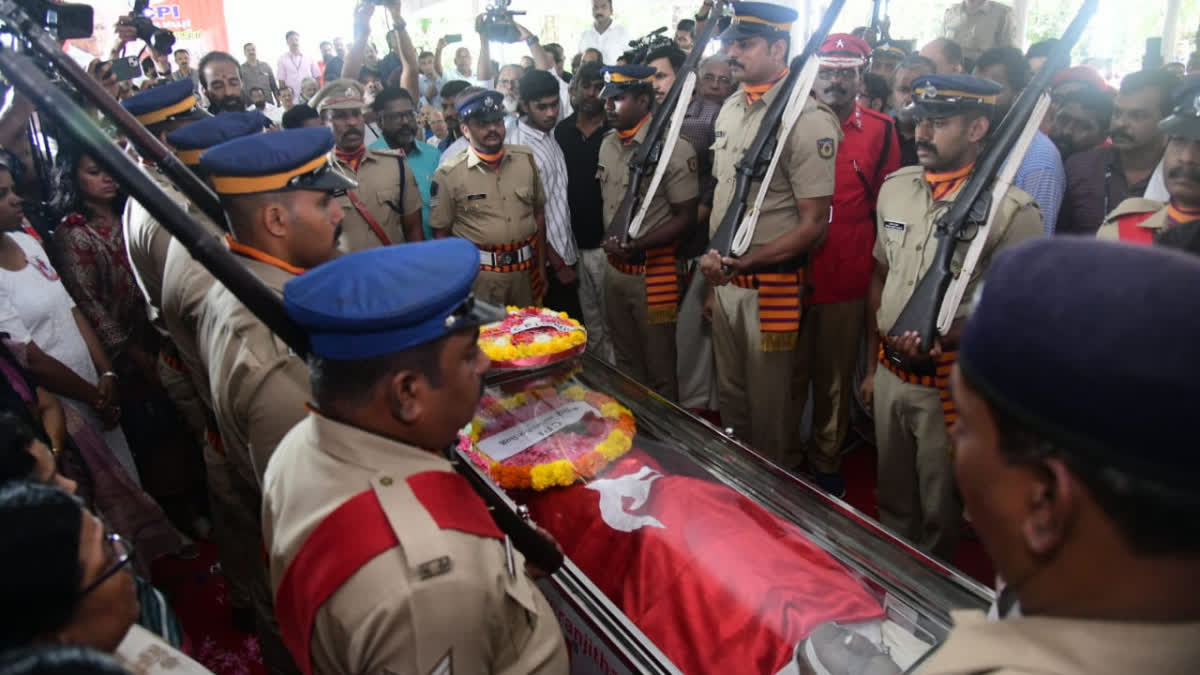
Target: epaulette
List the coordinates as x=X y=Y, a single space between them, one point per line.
x=518 y=149
x=455 y=160
x=453 y=503
x=1134 y=205
x=916 y=169
x=384 y=152
x=876 y=115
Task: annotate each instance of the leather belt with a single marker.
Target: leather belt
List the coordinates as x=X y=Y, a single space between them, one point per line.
x=506 y=258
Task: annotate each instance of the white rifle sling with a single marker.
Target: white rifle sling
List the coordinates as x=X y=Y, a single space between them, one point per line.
x=664 y=155
x=1003 y=181
x=796 y=101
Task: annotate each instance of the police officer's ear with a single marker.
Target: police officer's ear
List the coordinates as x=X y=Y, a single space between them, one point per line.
x=407 y=391
x=275 y=216
x=1053 y=508
x=978 y=127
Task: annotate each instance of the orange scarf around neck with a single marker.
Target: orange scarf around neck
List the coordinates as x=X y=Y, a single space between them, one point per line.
x=756 y=91
x=1178 y=215
x=626 y=135
x=261 y=256
x=352 y=159
x=944 y=184
x=493 y=160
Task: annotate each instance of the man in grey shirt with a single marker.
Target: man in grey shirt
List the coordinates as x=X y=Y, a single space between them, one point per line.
x=256 y=74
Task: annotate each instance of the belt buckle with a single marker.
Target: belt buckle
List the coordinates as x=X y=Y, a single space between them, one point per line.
x=504 y=258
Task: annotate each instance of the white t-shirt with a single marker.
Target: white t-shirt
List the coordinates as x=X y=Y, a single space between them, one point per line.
x=35 y=307
x=613 y=42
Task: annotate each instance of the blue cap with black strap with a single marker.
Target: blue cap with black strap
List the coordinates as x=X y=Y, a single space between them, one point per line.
x=294 y=159
x=621 y=79
x=191 y=141
x=176 y=100
x=936 y=96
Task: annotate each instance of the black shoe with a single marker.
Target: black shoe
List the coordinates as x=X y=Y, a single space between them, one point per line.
x=833 y=483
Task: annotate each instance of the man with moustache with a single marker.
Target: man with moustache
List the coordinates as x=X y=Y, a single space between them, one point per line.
x=1140 y=220
x=256 y=73
x=277 y=190
x=492 y=196
x=385 y=207
x=642 y=283
x=716 y=84
x=912 y=67
x=610 y=39
x=756 y=301
x=539 y=108
x=1105 y=176
x=1082 y=122
x=954 y=116
x=885 y=58
x=450 y=93
x=398 y=122
x=839 y=271
x=580 y=136
x=221 y=81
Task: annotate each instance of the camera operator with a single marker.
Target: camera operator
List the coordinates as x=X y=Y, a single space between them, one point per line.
x=398 y=40
x=542 y=60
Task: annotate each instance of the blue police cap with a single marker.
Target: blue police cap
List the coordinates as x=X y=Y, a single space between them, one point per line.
x=945 y=95
x=191 y=141
x=388 y=299
x=751 y=19
x=176 y=100
x=1100 y=367
x=619 y=79
x=294 y=159
x=485 y=106
x=1184 y=120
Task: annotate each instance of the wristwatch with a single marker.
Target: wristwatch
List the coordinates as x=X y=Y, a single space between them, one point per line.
x=531 y=40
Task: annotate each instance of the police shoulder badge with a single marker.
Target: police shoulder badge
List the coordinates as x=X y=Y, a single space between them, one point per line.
x=825 y=148
x=692 y=165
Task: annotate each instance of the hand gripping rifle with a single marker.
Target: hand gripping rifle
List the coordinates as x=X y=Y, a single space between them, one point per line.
x=976 y=206
x=761 y=155
x=655 y=153
x=75 y=122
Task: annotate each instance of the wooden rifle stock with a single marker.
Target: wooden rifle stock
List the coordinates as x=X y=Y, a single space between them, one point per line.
x=757 y=156
x=649 y=153
x=74 y=122
x=973 y=203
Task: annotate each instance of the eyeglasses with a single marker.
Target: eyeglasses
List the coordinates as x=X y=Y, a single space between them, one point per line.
x=837 y=73
x=393 y=117
x=710 y=78
x=119 y=553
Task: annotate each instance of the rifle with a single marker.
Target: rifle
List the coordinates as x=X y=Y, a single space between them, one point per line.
x=72 y=120
x=149 y=147
x=974 y=203
x=875 y=34
x=650 y=152
x=753 y=164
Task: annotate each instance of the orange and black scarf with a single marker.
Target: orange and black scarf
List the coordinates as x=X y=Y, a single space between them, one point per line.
x=662 y=282
x=352 y=159
x=755 y=91
x=491 y=160
x=944 y=184
x=1178 y=215
x=627 y=135
x=940 y=380
x=778 y=307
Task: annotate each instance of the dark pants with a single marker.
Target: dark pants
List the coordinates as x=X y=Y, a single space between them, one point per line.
x=562 y=298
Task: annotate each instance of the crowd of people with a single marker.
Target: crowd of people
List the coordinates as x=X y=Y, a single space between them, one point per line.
x=146 y=407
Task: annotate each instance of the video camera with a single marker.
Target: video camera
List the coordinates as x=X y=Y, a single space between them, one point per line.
x=66 y=20
x=640 y=48
x=160 y=39
x=498 y=24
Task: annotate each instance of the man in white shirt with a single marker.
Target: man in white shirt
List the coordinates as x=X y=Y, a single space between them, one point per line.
x=293 y=67
x=612 y=40
x=259 y=102
x=539 y=106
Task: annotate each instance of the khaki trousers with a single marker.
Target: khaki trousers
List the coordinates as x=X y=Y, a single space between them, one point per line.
x=593 y=263
x=755 y=386
x=695 y=366
x=916 y=480
x=505 y=288
x=830 y=336
x=644 y=351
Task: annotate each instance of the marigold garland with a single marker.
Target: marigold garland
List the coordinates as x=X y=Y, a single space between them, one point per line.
x=561 y=472
x=504 y=347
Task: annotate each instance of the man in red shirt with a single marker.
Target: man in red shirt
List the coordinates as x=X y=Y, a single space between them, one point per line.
x=839 y=271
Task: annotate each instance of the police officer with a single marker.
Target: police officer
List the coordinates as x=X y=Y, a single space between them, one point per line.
x=641 y=286
x=278 y=190
x=916 y=491
x=839 y=270
x=383 y=559
x=185 y=282
x=492 y=196
x=1081 y=486
x=1140 y=220
x=385 y=208
x=756 y=305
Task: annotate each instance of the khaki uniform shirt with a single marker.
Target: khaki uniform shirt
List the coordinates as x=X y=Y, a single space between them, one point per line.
x=679 y=184
x=146 y=241
x=379 y=191
x=185 y=285
x=399 y=613
x=905 y=217
x=978 y=30
x=1109 y=229
x=485 y=206
x=805 y=170
x=1053 y=646
x=258 y=386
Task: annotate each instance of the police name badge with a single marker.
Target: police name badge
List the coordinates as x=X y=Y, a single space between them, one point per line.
x=895 y=225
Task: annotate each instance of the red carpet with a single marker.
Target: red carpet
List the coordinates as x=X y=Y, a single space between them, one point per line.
x=196 y=591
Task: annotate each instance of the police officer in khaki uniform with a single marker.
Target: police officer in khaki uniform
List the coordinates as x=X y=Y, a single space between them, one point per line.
x=756 y=305
x=492 y=196
x=641 y=285
x=414 y=575
x=1080 y=482
x=279 y=191
x=385 y=208
x=185 y=282
x=916 y=489
x=1140 y=220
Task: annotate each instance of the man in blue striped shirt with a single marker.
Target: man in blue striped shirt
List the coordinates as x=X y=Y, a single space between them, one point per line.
x=1041 y=172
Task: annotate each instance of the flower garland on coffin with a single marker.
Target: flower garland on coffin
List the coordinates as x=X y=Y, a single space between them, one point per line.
x=577 y=452
x=532 y=337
